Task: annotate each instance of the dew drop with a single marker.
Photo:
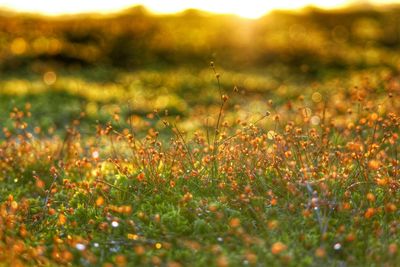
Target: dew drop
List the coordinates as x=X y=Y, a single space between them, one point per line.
x=80 y=246
x=337 y=246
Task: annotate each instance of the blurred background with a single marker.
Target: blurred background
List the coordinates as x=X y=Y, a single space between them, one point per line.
x=131 y=57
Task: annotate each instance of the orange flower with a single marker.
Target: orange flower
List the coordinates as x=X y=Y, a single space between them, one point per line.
x=382 y=181
x=273 y=224
x=99 y=201
x=371 y=197
x=350 y=237
x=222 y=261
x=62 y=219
x=390 y=207
x=187 y=197
x=374 y=116
x=234 y=223
x=320 y=253
x=139 y=250
x=369 y=213
x=126 y=209
x=120 y=260
x=392 y=249
x=278 y=247
x=213 y=208
x=374 y=164
x=141 y=176
x=346 y=206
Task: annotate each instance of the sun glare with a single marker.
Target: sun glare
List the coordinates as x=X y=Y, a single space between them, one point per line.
x=247 y=9
x=243 y=8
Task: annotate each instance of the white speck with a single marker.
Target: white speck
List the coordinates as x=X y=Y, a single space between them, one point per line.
x=115 y=249
x=220 y=239
x=95 y=154
x=114 y=224
x=337 y=246
x=80 y=246
x=96 y=245
x=315 y=208
x=245 y=262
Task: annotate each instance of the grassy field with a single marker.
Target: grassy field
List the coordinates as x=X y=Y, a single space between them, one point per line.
x=200 y=140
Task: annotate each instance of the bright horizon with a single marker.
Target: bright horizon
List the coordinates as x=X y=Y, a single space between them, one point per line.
x=247 y=8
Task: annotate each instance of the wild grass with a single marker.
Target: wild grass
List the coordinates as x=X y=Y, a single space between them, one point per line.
x=313 y=181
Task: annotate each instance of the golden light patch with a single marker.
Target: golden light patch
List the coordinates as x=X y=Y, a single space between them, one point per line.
x=50 y=78
x=18 y=46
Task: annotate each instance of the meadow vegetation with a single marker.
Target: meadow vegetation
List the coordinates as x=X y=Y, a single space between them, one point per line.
x=124 y=146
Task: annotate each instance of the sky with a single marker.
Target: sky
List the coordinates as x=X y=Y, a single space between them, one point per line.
x=244 y=8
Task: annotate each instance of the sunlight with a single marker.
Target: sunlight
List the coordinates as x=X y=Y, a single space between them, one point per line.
x=247 y=9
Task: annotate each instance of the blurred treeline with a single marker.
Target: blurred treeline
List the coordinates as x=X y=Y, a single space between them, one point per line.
x=135 y=39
